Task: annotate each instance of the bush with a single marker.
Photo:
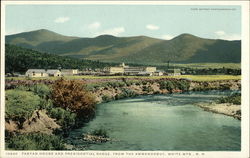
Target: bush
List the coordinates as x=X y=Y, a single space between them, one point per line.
x=106 y=98
x=41 y=90
x=234 y=98
x=100 y=132
x=175 y=84
x=66 y=119
x=128 y=93
x=116 y=84
x=183 y=85
x=20 y=105
x=167 y=85
x=72 y=95
x=35 y=141
x=147 y=88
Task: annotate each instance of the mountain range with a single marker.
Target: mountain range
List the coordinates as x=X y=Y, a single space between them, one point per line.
x=185 y=48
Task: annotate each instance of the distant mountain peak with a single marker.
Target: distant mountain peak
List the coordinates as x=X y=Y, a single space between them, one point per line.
x=106 y=36
x=187 y=35
x=137 y=49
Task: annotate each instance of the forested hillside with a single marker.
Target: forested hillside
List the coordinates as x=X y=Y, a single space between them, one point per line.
x=185 y=48
x=19 y=59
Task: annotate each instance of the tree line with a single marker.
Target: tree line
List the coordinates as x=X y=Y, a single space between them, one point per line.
x=18 y=59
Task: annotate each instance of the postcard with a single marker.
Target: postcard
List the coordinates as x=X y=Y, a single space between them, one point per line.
x=163 y=79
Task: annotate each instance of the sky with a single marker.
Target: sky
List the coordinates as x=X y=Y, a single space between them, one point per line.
x=158 y=21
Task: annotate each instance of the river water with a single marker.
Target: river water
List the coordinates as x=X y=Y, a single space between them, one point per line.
x=162 y=122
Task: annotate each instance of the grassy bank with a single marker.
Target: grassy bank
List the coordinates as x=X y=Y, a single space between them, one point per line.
x=52 y=110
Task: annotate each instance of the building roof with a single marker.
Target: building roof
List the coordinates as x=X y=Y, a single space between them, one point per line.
x=68 y=70
x=36 y=71
x=52 y=71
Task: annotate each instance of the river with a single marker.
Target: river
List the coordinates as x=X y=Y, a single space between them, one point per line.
x=162 y=122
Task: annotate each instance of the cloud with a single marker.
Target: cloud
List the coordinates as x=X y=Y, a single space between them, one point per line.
x=94 y=25
x=113 y=31
x=232 y=37
x=152 y=27
x=227 y=36
x=167 y=37
x=220 y=33
x=61 y=19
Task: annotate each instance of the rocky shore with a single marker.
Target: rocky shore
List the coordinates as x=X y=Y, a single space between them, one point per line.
x=108 y=93
x=228 y=109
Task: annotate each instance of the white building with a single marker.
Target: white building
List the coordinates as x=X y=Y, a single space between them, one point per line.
x=69 y=72
x=54 y=72
x=36 y=73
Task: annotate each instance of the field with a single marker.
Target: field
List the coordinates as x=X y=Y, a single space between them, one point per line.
x=190 y=77
x=206 y=65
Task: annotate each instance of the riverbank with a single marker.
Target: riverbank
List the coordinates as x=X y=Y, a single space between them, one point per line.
x=228 y=109
x=114 y=90
x=62 y=121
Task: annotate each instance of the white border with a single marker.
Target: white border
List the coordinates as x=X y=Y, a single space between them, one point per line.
x=245 y=82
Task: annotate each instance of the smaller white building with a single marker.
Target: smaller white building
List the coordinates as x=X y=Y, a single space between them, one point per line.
x=54 y=72
x=158 y=73
x=69 y=72
x=36 y=73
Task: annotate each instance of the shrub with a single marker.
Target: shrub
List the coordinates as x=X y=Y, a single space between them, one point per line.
x=128 y=93
x=106 y=98
x=20 y=105
x=22 y=87
x=41 y=90
x=46 y=104
x=167 y=85
x=100 y=132
x=72 y=95
x=138 y=82
x=147 y=88
x=183 y=85
x=234 y=98
x=35 y=141
x=66 y=119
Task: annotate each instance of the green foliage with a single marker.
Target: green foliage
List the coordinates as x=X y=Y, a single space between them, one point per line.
x=66 y=119
x=100 y=132
x=41 y=90
x=35 y=141
x=125 y=93
x=20 y=105
x=106 y=98
x=116 y=84
x=182 y=85
x=175 y=84
x=167 y=85
x=147 y=88
x=19 y=59
x=234 y=98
